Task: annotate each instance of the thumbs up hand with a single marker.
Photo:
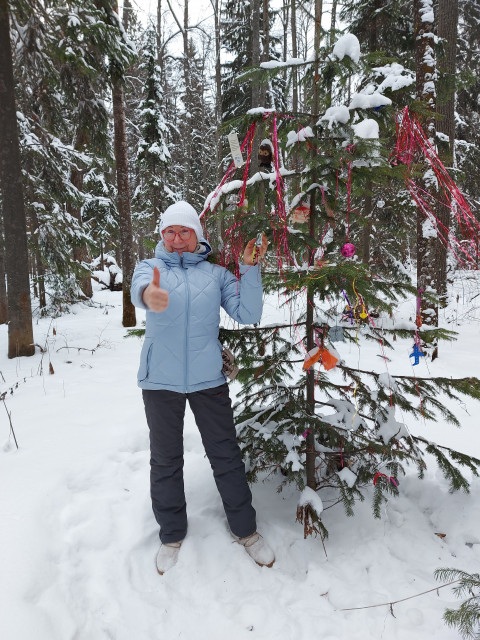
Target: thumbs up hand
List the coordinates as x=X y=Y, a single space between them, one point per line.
x=155 y=299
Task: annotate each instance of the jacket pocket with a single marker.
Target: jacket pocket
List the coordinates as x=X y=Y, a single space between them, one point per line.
x=145 y=357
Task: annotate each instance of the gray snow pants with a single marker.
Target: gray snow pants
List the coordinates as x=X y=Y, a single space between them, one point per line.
x=213 y=413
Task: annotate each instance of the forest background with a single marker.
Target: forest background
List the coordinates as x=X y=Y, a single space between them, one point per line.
x=118 y=116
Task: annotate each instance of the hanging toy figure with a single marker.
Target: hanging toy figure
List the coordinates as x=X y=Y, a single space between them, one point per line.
x=265 y=155
x=348 y=250
x=416 y=354
x=258 y=244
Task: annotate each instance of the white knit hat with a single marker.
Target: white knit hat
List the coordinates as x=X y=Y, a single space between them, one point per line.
x=183 y=214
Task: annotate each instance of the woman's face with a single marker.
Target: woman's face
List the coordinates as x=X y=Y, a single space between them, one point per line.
x=179 y=238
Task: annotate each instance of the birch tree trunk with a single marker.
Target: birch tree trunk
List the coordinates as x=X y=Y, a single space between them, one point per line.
x=447 y=30
x=123 y=189
x=426 y=232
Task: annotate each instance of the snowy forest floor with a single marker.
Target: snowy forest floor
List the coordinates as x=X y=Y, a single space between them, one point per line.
x=78 y=538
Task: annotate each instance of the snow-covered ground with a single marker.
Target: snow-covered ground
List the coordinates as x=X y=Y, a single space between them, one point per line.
x=78 y=539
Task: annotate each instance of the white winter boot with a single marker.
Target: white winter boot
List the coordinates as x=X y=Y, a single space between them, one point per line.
x=167 y=556
x=257 y=548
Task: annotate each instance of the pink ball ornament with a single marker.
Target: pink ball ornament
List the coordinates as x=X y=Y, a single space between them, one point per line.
x=348 y=250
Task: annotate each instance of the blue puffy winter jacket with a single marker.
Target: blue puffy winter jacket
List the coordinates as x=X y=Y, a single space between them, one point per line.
x=181 y=351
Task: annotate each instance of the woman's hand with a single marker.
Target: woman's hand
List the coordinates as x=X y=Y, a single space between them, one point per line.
x=155 y=299
x=254 y=254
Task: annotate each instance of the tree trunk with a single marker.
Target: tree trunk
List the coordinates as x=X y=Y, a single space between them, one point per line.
x=368 y=204
x=80 y=254
x=333 y=21
x=447 y=30
x=294 y=55
x=310 y=441
x=3 y=284
x=285 y=23
x=38 y=269
x=367 y=228
x=426 y=237
x=123 y=188
x=218 y=115
x=127 y=14
x=187 y=141
x=20 y=330
x=256 y=95
x=265 y=54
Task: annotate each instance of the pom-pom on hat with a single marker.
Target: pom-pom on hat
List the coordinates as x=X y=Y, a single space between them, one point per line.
x=183 y=214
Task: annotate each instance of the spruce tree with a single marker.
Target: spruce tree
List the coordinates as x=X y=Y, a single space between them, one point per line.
x=153 y=192
x=467 y=617
x=339 y=433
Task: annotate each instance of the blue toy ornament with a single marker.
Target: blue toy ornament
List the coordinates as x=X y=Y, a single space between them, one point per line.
x=417 y=354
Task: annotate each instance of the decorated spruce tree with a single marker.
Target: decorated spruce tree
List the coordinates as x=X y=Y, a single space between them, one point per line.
x=339 y=430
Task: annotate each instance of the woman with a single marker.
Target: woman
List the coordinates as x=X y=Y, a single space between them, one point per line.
x=181 y=360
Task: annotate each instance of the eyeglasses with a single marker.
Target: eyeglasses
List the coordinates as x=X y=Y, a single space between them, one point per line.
x=184 y=234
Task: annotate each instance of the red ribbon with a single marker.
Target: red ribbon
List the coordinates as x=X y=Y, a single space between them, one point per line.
x=387 y=478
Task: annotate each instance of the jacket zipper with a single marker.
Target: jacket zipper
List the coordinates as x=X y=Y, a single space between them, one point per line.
x=185 y=275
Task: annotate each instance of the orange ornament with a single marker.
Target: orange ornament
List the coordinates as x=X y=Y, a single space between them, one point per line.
x=314 y=355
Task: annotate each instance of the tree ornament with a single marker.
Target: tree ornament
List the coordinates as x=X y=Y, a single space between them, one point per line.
x=391 y=479
x=300 y=215
x=235 y=149
x=311 y=357
x=335 y=334
x=314 y=355
x=348 y=250
x=265 y=155
x=416 y=354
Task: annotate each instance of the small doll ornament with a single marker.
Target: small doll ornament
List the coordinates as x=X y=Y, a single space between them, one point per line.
x=265 y=155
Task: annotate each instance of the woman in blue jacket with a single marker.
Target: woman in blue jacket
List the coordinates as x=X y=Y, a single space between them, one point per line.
x=181 y=360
